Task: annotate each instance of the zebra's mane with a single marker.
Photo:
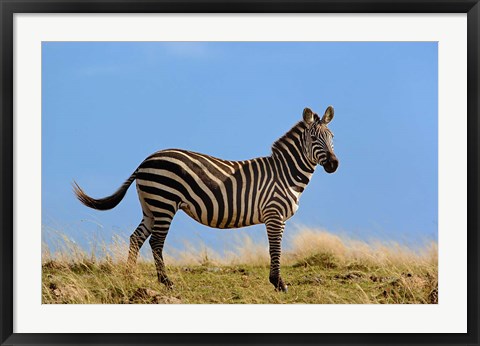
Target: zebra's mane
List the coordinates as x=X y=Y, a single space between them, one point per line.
x=291 y=134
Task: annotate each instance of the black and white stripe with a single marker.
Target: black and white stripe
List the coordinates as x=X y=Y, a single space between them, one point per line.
x=226 y=194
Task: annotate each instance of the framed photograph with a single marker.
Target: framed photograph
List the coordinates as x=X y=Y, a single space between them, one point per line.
x=239 y=172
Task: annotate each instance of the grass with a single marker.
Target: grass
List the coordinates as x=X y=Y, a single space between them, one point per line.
x=321 y=268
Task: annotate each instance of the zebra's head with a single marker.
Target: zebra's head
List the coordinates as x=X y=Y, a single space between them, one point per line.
x=319 y=139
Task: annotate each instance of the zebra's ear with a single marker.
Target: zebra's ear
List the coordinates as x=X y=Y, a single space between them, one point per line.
x=308 y=117
x=328 y=116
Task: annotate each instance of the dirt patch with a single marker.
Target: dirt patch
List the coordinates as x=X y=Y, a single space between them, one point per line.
x=351 y=276
x=68 y=293
x=147 y=295
x=309 y=280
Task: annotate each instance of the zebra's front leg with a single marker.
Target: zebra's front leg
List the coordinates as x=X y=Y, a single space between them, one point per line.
x=161 y=226
x=275 y=227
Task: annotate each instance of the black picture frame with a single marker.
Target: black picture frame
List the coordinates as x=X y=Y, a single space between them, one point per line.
x=10 y=7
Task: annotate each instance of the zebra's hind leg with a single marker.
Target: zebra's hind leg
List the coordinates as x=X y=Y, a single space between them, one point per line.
x=275 y=227
x=137 y=239
x=161 y=225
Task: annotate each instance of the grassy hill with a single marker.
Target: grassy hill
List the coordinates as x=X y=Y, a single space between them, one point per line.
x=320 y=268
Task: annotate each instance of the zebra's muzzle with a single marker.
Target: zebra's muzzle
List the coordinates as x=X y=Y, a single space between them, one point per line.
x=331 y=164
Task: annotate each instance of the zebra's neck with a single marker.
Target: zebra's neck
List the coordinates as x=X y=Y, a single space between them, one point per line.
x=288 y=153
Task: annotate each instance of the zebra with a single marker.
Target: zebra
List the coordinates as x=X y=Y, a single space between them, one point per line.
x=226 y=194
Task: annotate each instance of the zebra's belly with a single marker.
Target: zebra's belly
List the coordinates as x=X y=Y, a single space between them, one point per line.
x=227 y=220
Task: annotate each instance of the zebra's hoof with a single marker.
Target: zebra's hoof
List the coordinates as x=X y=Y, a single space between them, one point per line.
x=166 y=281
x=278 y=283
x=169 y=285
x=281 y=288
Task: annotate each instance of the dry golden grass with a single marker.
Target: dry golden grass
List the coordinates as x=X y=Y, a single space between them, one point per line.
x=320 y=268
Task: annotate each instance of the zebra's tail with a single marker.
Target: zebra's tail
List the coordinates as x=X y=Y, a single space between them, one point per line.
x=106 y=203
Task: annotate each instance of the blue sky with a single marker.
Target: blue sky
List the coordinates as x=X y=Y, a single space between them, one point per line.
x=108 y=105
